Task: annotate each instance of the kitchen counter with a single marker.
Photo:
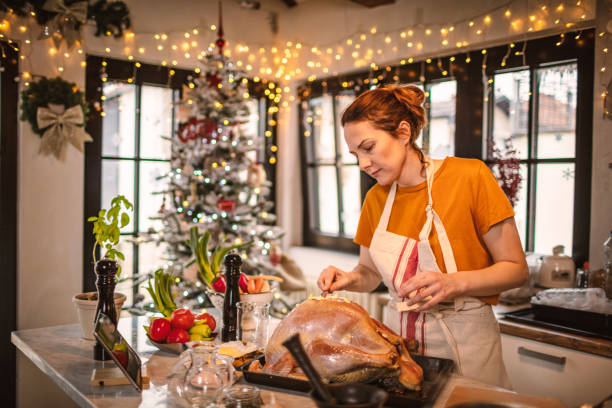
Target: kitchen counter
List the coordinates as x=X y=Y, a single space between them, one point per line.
x=593 y=345
x=66 y=358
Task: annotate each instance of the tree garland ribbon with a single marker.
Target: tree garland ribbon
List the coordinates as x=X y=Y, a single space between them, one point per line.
x=61 y=128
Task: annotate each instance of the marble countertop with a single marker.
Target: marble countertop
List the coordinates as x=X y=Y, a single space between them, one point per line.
x=62 y=354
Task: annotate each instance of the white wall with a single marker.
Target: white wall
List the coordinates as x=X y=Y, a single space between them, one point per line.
x=601 y=177
x=50 y=196
x=50 y=243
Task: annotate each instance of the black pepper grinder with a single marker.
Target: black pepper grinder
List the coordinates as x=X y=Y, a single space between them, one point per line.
x=232 y=297
x=106 y=271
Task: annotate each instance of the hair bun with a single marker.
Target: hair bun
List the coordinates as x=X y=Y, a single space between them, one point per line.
x=409 y=95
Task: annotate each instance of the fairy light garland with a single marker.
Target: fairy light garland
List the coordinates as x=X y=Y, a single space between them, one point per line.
x=283 y=62
x=295 y=59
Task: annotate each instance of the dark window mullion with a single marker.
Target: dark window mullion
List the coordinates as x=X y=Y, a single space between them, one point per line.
x=425 y=145
x=532 y=163
x=132 y=159
x=135 y=258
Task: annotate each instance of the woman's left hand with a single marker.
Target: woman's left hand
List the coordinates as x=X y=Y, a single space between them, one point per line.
x=440 y=286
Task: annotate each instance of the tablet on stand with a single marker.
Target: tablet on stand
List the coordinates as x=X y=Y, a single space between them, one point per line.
x=129 y=366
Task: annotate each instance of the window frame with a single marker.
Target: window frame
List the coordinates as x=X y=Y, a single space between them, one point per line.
x=470 y=118
x=146 y=74
x=548 y=54
x=9 y=148
x=417 y=72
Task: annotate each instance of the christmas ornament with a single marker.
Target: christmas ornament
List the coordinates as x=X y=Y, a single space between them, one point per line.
x=220 y=41
x=61 y=128
x=193 y=189
x=226 y=205
x=213 y=80
x=256 y=175
x=197 y=128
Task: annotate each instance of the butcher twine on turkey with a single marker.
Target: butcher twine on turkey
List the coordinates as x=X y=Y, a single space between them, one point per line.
x=344 y=344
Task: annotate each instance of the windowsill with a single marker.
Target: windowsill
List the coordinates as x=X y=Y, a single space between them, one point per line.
x=313 y=260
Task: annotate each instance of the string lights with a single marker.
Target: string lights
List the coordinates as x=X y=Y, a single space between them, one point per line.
x=295 y=59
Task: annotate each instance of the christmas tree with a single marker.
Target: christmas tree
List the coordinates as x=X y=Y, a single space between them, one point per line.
x=215 y=182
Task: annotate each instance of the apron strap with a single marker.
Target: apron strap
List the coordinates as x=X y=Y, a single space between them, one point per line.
x=447 y=250
x=434 y=219
x=384 y=218
x=450 y=339
x=429 y=171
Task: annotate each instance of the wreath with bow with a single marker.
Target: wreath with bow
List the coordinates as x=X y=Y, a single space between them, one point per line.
x=57 y=111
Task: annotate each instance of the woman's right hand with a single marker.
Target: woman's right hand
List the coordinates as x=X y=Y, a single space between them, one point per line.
x=333 y=279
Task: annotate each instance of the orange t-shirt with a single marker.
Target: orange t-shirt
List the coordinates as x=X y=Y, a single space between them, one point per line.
x=468 y=200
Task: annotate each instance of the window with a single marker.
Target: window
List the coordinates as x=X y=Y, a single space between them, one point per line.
x=335 y=186
x=335 y=202
x=544 y=97
x=132 y=149
x=137 y=123
x=541 y=101
x=440 y=104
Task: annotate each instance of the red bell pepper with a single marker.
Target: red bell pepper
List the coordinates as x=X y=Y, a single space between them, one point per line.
x=219 y=284
x=243 y=282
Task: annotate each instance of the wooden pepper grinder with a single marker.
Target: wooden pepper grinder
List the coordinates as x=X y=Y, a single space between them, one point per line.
x=232 y=297
x=106 y=271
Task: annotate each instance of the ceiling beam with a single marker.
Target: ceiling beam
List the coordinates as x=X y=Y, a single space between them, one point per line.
x=290 y=3
x=373 y=3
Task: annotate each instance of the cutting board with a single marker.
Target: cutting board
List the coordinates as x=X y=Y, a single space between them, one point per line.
x=462 y=394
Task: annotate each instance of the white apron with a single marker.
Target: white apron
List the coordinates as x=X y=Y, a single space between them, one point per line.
x=464 y=330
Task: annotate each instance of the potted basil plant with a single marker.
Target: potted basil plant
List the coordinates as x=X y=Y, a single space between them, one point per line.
x=106 y=230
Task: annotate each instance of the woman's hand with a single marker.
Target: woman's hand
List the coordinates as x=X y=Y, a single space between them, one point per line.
x=440 y=286
x=333 y=279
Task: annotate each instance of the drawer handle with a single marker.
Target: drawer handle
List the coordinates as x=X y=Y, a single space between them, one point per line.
x=542 y=356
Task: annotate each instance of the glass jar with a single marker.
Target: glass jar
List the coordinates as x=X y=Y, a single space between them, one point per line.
x=241 y=396
x=205 y=378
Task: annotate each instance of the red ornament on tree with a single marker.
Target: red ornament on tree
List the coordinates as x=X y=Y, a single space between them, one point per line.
x=213 y=80
x=220 y=41
x=196 y=128
x=226 y=205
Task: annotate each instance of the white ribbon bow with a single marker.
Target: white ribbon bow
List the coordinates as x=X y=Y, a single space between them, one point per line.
x=77 y=11
x=61 y=128
x=64 y=25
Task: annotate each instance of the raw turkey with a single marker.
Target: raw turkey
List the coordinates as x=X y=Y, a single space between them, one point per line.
x=344 y=343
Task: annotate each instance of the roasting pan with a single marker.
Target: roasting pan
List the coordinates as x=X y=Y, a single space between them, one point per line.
x=436 y=372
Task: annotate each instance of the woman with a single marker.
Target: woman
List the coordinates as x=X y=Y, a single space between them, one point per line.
x=439 y=233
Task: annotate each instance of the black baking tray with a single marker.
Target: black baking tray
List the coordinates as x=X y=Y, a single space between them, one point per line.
x=436 y=372
x=567 y=320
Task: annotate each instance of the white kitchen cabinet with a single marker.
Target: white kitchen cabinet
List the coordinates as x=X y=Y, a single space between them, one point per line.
x=544 y=369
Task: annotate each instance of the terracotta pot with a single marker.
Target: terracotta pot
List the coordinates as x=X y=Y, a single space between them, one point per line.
x=86 y=310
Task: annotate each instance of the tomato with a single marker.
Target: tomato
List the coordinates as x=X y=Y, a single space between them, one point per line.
x=208 y=320
x=219 y=284
x=182 y=319
x=177 y=336
x=243 y=282
x=159 y=330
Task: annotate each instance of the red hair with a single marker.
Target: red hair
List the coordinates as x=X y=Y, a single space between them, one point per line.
x=386 y=108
